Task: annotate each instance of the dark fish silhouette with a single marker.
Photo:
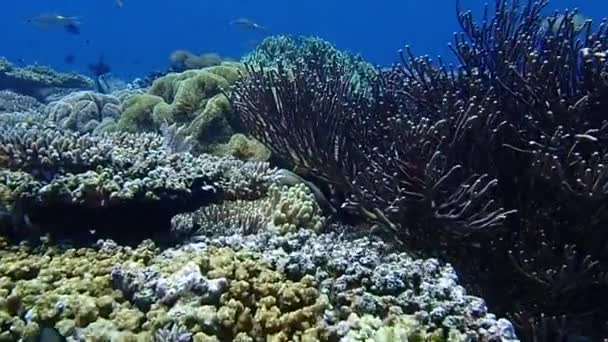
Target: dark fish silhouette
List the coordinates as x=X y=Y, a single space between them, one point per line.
x=69 y=59
x=100 y=69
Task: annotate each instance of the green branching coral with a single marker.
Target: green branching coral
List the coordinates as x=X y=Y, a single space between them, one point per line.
x=285 y=208
x=293 y=207
x=31 y=80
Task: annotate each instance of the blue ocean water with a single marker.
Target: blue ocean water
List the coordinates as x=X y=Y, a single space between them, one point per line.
x=139 y=37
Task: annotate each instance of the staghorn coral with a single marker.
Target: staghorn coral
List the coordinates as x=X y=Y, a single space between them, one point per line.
x=35 y=80
x=84 y=111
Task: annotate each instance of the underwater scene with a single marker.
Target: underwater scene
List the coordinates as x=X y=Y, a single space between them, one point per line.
x=250 y=171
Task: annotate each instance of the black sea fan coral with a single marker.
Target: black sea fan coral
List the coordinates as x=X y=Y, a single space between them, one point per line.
x=498 y=164
x=298 y=114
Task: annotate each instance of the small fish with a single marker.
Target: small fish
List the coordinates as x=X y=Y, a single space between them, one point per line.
x=69 y=59
x=555 y=22
x=119 y=3
x=247 y=24
x=46 y=334
x=100 y=67
x=45 y=21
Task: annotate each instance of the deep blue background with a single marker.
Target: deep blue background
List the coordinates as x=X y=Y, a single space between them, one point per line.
x=139 y=37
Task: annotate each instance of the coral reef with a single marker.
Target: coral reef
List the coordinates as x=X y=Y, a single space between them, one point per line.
x=497 y=165
x=11 y=102
x=289 y=52
x=85 y=111
x=327 y=281
x=285 y=208
x=36 y=80
x=297 y=285
x=193 y=98
x=182 y=60
x=243 y=148
x=105 y=182
x=65 y=287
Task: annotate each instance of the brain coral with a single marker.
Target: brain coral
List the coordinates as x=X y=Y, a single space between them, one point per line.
x=84 y=111
x=193 y=98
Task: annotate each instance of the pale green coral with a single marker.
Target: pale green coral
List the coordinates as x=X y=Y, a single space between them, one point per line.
x=137 y=113
x=285 y=208
x=260 y=301
x=397 y=328
x=69 y=288
x=294 y=207
x=192 y=98
x=242 y=147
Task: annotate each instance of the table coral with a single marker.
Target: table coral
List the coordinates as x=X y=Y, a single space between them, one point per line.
x=33 y=79
x=53 y=171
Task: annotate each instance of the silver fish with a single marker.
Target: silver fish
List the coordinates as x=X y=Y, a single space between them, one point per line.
x=49 y=20
x=247 y=24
